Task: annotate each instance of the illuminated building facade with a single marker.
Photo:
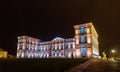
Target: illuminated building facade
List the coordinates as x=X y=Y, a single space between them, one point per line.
x=3 y=54
x=84 y=44
x=86 y=41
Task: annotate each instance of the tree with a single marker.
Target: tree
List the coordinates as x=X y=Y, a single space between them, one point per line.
x=104 y=55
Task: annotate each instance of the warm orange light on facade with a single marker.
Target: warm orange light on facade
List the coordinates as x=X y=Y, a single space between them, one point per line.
x=24 y=40
x=76 y=32
x=88 y=30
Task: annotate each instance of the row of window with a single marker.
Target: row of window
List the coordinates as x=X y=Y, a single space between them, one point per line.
x=83 y=40
x=82 y=30
x=61 y=46
x=29 y=41
x=57 y=54
x=36 y=53
x=34 y=47
x=38 y=42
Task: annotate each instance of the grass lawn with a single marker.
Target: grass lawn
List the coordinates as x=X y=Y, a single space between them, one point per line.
x=39 y=65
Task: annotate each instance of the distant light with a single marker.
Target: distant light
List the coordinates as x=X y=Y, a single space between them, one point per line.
x=99 y=57
x=113 y=51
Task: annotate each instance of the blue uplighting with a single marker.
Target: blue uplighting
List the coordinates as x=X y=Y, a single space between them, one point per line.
x=83 y=50
x=82 y=30
x=26 y=53
x=83 y=39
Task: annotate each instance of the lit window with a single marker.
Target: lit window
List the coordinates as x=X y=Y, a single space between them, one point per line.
x=26 y=46
x=26 y=39
x=31 y=54
x=30 y=47
x=20 y=53
x=26 y=54
x=83 y=50
x=20 y=45
x=66 y=46
x=82 y=30
x=83 y=39
x=38 y=48
x=31 y=40
x=20 y=39
x=71 y=46
x=66 y=52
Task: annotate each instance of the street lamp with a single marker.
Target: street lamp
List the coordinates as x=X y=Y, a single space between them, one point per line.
x=113 y=51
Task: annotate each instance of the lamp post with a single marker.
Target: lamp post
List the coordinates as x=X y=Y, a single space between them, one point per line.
x=113 y=52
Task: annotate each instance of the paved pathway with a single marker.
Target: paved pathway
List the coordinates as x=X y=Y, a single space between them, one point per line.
x=98 y=65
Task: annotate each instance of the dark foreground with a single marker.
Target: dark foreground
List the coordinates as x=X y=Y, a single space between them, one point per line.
x=99 y=65
x=38 y=65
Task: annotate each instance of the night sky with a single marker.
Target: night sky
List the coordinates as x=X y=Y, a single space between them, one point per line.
x=47 y=19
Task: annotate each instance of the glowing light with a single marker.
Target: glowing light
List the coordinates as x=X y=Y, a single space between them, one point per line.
x=113 y=51
x=57 y=38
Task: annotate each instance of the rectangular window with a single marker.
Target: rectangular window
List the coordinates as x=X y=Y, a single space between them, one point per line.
x=20 y=39
x=83 y=50
x=27 y=40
